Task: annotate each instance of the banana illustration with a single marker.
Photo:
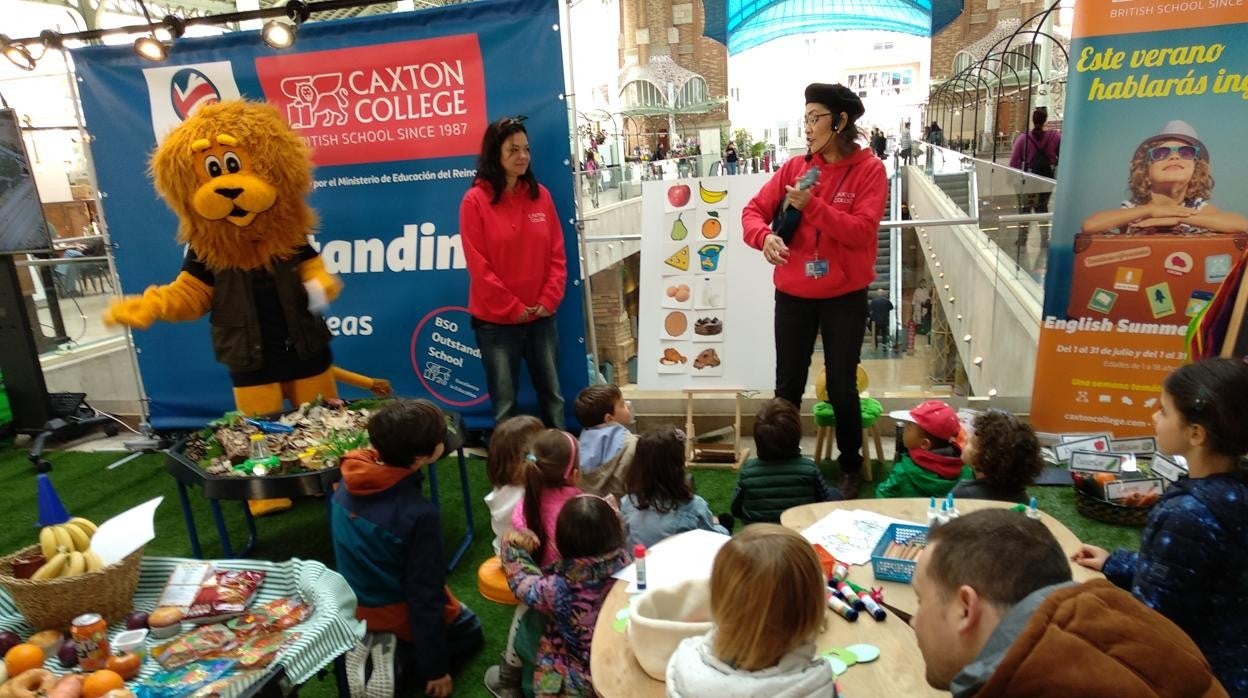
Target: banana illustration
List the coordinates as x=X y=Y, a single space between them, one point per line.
x=93 y=561
x=80 y=540
x=63 y=542
x=85 y=525
x=53 y=568
x=711 y=196
x=47 y=542
x=77 y=565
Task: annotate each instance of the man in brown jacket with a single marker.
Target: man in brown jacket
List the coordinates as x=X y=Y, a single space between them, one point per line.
x=998 y=615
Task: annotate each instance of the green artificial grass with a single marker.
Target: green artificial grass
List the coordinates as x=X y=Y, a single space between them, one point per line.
x=88 y=489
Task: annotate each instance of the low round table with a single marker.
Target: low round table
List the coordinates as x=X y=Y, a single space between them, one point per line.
x=898 y=671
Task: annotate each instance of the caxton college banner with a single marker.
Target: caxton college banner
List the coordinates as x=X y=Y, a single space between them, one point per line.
x=394 y=108
x=1149 y=213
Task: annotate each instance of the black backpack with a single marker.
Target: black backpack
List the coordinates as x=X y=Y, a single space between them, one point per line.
x=1039 y=163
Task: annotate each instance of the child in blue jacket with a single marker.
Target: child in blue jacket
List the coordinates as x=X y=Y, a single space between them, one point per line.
x=1193 y=561
x=388 y=546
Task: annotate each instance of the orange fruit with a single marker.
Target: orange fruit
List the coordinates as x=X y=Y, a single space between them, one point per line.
x=101 y=682
x=711 y=228
x=23 y=657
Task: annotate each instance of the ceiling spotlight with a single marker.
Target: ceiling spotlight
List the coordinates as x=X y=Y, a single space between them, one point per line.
x=978 y=361
x=959 y=318
x=278 y=34
x=992 y=392
x=17 y=53
x=151 y=48
x=952 y=299
x=966 y=338
x=942 y=274
x=946 y=287
x=938 y=265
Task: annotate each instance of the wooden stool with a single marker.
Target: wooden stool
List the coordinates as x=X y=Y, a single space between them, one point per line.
x=740 y=454
x=825 y=437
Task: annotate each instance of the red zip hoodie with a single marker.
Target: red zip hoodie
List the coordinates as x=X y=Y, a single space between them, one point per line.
x=514 y=251
x=846 y=207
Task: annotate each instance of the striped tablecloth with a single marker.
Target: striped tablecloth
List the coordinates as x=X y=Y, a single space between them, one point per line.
x=331 y=631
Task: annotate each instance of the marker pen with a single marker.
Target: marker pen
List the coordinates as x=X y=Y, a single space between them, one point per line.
x=841 y=608
x=1032 y=511
x=639 y=555
x=849 y=595
x=871 y=606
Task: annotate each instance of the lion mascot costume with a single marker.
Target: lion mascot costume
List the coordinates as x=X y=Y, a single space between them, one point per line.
x=238 y=179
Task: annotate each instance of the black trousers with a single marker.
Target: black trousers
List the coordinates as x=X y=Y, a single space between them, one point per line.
x=843 y=324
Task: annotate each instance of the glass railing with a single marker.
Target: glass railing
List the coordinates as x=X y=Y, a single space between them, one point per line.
x=66 y=297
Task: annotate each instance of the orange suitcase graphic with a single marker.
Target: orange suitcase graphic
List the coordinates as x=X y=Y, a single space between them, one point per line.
x=1150 y=277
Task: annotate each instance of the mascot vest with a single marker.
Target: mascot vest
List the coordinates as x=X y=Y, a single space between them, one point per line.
x=237 y=340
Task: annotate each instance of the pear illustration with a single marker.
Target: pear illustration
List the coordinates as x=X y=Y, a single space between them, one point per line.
x=679 y=230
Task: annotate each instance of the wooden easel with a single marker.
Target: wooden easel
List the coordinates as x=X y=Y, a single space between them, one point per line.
x=690 y=434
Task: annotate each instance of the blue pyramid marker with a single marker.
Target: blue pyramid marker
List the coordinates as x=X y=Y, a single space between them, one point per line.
x=51 y=511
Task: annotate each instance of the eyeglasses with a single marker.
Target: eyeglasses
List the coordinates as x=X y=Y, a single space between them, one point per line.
x=1158 y=153
x=812 y=119
x=510 y=121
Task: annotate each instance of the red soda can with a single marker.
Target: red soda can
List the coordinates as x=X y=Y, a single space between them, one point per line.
x=90 y=634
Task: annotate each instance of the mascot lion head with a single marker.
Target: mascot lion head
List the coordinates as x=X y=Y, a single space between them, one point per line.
x=238 y=179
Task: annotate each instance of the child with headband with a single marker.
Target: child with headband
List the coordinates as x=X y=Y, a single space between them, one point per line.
x=552 y=476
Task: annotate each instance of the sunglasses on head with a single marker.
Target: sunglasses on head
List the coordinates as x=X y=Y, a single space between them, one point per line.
x=1158 y=153
x=512 y=121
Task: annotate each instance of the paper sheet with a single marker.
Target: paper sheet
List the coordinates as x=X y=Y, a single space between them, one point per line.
x=680 y=558
x=850 y=534
x=126 y=532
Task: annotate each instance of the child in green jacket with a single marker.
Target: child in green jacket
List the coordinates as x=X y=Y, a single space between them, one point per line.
x=933 y=462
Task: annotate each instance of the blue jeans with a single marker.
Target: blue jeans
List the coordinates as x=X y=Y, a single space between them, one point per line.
x=732 y=168
x=502 y=347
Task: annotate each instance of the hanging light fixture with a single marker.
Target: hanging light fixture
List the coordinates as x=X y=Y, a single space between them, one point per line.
x=151 y=48
x=278 y=34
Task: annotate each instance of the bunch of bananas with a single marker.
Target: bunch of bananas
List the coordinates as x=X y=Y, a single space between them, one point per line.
x=67 y=549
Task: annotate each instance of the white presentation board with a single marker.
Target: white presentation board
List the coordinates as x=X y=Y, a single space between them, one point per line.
x=706 y=298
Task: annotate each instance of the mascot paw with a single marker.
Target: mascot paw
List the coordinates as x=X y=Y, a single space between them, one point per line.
x=381 y=388
x=134 y=312
x=268 y=507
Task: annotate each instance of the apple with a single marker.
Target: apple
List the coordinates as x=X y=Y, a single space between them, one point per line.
x=679 y=195
x=136 y=620
x=67 y=655
x=8 y=640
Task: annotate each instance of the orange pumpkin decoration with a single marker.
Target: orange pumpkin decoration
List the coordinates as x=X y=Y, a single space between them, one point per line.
x=22 y=658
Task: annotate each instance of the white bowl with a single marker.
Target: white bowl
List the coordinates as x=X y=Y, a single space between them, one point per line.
x=661 y=618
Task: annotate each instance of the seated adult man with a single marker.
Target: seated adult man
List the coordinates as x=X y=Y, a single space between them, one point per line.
x=998 y=615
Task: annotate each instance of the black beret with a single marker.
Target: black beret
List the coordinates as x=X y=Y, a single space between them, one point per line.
x=837 y=98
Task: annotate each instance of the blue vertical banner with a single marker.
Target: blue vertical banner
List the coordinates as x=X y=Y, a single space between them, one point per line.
x=394 y=108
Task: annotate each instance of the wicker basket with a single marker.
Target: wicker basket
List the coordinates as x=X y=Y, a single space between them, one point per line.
x=52 y=604
x=1101 y=510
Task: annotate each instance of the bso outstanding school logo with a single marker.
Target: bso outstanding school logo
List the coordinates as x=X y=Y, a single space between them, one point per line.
x=189 y=90
x=315 y=100
x=175 y=92
x=406 y=100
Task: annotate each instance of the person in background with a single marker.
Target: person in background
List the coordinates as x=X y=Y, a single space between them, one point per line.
x=660 y=502
x=731 y=158
x=1004 y=454
x=570 y=591
x=388 y=545
x=905 y=144
x=606 y=445
x=1036 y=151
x=935 y=135
x=517 y=270
x=998 y=616
x=1192 y=566
x=879 y=309
x=932 y=464
x=823 y=268
x=592 y=176
x=779 y=477
x=767 y=605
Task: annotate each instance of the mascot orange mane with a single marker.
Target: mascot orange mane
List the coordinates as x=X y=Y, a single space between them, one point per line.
x=238 y=179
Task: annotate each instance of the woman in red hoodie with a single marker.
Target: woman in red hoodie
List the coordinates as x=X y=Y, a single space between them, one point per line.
x=823 y=246
x=516 y=271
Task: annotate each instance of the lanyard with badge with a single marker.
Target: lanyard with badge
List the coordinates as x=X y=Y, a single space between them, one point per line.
x=817 y=268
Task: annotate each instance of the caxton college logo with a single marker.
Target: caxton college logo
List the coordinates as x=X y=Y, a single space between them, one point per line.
x=175 y=92
x=407 y=100
x=190 y=89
